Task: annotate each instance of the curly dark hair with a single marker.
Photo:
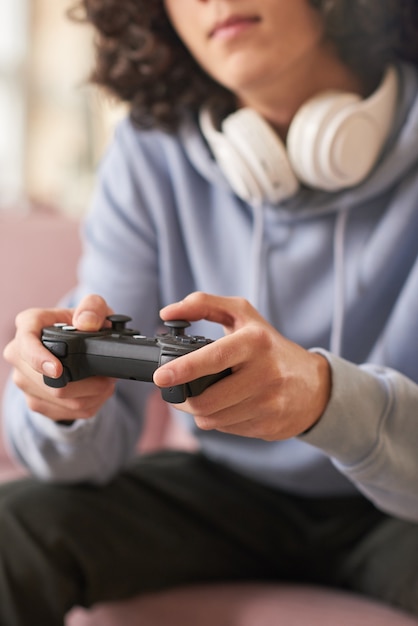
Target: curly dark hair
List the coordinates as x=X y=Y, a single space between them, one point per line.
x=141 y=60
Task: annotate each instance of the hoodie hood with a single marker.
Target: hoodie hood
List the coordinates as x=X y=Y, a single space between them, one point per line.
x=399 y=154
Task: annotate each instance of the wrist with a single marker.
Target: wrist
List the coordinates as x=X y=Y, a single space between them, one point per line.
x=323 y=388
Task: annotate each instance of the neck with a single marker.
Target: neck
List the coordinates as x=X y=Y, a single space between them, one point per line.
x=278 y=102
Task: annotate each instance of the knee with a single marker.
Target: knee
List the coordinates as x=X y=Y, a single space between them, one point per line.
x=29 y=507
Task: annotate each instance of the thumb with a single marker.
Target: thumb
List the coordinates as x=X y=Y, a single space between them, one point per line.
x=91 y=313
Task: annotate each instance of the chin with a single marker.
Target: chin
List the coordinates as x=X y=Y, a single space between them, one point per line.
x=241 y=76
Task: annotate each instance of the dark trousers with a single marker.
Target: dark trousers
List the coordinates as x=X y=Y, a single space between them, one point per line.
x=176 y=518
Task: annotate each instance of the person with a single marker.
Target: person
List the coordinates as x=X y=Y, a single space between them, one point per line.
x=263 y=187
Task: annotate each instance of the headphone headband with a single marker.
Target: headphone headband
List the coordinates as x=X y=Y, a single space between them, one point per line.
x=333 y=142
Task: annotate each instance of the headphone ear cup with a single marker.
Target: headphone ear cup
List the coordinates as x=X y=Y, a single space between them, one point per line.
x=251 y=156
x=333 y=142
x=312 y=137
x=335 y=139
x=231 y=163
x=263 y=151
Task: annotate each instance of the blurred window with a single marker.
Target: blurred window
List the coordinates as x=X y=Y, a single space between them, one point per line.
x=13 y=54
x=53 y=125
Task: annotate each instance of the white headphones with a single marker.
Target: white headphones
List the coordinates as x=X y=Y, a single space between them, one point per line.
x=333 y=142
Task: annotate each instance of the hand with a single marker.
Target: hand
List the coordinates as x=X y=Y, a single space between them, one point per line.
x=277 y=389
x=30 y=360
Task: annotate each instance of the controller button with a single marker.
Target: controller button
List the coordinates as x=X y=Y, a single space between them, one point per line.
x=69 y=328
x=60 y=325
x=166 y=358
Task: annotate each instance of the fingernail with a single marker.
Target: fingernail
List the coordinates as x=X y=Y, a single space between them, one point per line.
x=87 y=320
x=165 y=377
x=49 y=369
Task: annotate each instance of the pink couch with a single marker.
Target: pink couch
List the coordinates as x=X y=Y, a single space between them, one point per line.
x=38 y=258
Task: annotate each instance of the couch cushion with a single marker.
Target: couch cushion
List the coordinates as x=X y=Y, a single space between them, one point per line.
x=38 y=259
x=244 y=604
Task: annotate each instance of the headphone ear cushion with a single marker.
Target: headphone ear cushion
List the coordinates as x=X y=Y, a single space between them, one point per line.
x=320 y=141
x=264 y=153
x=233 y=166
x=333 y=142
x=335 y=139
x=252 y=157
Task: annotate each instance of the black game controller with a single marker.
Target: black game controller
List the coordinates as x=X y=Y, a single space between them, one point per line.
x=121 y=352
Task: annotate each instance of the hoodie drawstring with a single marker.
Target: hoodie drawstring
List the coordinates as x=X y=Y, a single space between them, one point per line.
x=256 y=253
x=339 y=283
x=337 y=326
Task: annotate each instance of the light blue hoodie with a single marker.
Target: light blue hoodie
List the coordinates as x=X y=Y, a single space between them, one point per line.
x=334 y=272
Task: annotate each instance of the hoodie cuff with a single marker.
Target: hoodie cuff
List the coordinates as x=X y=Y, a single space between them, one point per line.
x=78 y=430
x=349 y=429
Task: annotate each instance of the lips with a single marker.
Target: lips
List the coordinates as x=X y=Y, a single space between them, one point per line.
x=235 y=22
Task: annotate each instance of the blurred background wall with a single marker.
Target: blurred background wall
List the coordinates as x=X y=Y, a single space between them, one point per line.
x=54 y=127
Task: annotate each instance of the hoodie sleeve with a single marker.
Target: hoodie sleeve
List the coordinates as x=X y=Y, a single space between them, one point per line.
x=370 y=431
x=92 y=450
x=119 y=263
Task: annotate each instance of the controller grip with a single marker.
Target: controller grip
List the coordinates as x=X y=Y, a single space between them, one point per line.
x=180 y=393
x=59 y=382
x=58 y=349
x=198 y=386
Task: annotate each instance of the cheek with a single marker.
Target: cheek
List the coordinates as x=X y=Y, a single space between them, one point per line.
x=176 y=11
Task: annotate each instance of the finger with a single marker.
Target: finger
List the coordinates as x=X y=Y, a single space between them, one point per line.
x=234 y=417
x=27 y=348
x=233 y=351
x=75 y=401
x=93 y=386
x=211 y=359
x=32 y=320
x=34 y=356
x=71 y=410
x=32 y=383
x=91 y=313
x=233 y=399
x=198 y=305
x=220 y=403
x=248 y=428
x=228 y=410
